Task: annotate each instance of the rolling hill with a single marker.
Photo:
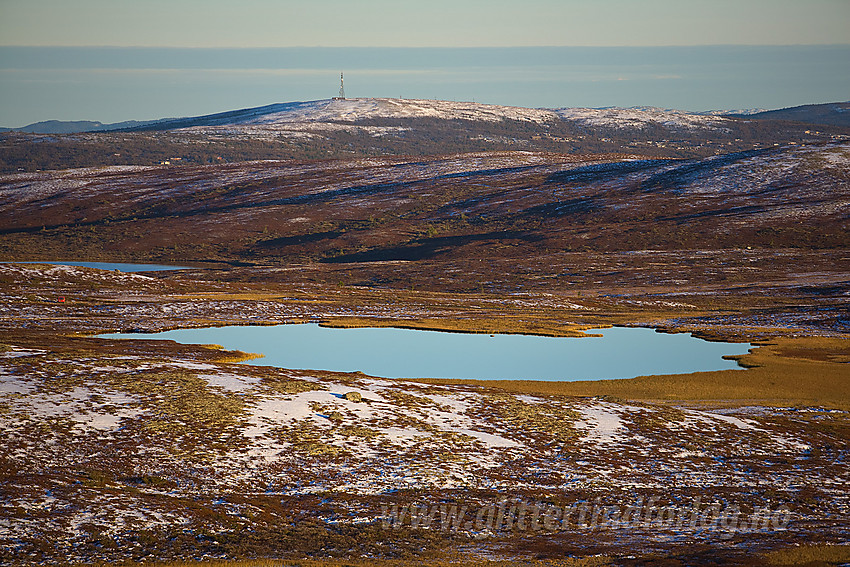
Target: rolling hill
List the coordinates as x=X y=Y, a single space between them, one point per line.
x=381 y=127
x=506 y=222
x=831 y=114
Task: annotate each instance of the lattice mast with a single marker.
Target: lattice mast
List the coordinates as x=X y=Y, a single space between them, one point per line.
x=341 y=87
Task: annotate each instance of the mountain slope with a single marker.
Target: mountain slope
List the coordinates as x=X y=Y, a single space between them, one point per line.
x=363 y=109
x=382 y=209
x=380 y=126
x=833 y=114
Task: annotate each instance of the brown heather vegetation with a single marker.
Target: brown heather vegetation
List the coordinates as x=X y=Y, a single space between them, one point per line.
x=374 y=562
x=750 y=247
x=418 y=137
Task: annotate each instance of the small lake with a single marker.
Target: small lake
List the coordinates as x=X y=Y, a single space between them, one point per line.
x=112 y=266
x=403 y=353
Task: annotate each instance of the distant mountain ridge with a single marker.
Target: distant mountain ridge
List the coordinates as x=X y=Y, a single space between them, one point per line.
x=284 y=116
x=74 y=126
x=832 y=114
x=358 y=109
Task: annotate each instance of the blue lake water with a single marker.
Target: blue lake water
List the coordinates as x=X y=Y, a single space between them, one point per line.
x=120 y=266
x=404 y=353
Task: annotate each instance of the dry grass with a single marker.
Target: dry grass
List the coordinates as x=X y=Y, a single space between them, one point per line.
x=810 y=555
x=555 y=424
x=286 y=385
x=503 y=324
x=786 y=372
x=595 y=561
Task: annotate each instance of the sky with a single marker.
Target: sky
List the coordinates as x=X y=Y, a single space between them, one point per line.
x=113 y=60
x=418 y=23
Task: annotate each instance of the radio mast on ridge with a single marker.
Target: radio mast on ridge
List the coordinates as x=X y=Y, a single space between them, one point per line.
x=341 y=88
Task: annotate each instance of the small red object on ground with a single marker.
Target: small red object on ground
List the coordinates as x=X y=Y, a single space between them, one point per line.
x=61 y=299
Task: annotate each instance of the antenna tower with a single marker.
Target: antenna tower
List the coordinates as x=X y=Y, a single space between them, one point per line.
x=341 y=88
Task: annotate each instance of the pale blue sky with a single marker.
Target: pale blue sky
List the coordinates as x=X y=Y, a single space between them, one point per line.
x=715 y=54
x=422 y=23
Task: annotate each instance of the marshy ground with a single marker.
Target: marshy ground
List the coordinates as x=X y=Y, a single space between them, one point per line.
x=128 y=450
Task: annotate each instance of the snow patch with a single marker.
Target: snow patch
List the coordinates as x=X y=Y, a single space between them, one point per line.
x=230 y=382
x=602 y=422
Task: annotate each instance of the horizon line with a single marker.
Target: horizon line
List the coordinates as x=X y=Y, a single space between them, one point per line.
x=109 y=46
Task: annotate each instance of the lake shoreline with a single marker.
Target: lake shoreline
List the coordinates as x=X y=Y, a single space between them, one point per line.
x=615 y=352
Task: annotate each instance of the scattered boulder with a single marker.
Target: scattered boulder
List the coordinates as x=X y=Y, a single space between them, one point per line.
x=353 y=396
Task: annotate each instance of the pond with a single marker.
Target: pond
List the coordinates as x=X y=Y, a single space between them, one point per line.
x=403 y=353
x=112 y=266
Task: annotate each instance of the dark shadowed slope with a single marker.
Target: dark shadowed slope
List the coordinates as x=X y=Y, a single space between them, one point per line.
x=833 y=114
x=511 y=204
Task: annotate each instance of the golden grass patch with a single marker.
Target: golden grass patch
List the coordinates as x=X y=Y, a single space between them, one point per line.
x=286 y=385
x=500 y=325
x=785 y=372
x=810 y=555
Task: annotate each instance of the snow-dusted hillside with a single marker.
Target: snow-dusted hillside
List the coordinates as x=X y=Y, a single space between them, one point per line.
x=350 y=110
x=317 y=115
x=640 y=117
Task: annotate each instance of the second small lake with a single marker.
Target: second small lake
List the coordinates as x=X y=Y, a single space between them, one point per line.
x=112 y=266
x=405 y=353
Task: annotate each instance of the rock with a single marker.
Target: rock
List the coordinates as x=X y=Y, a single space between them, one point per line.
x=353 y=396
